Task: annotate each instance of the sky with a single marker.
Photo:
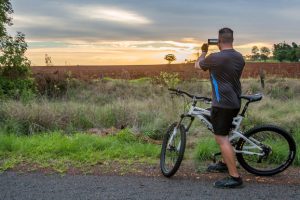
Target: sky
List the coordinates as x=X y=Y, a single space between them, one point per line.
x=125 y=32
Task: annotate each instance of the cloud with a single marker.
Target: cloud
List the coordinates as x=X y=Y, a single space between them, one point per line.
x=111 y=14
x=79 y=46
x=27 y=21
x=116 y=20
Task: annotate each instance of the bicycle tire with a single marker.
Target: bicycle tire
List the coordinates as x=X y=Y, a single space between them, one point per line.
x=170 y=171
x=276 y=131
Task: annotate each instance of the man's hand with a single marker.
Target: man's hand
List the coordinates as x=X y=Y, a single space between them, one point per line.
x=204 y=48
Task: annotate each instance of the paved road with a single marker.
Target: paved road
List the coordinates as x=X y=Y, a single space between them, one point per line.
x=40 y=186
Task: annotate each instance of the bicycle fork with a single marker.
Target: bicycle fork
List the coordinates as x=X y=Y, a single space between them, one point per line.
x=186 y=129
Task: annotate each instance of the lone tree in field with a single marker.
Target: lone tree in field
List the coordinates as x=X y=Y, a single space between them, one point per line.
x=170 y=58
x=48 y=60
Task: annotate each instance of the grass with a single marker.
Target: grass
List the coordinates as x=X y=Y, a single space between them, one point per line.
x=205 y=149
x=60 y=151
x=140 y=105
x=273 y=111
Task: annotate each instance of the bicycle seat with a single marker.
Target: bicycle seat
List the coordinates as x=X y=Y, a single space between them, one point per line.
x=252 y=98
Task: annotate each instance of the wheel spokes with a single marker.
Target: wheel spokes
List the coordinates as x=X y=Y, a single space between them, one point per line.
x=274 y=150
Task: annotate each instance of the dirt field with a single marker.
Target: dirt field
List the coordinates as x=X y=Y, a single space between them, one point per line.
x=185 y=71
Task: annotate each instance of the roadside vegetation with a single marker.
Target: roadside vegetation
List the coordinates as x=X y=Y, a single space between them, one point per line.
x=61 y=130
x=60 y=151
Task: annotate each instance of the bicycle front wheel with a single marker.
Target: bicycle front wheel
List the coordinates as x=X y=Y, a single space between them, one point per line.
x=172 y=150
x=270 y=150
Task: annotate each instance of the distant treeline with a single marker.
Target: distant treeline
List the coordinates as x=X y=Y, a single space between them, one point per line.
x=281 y=52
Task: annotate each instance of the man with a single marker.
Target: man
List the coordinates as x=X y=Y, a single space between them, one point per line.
x=225 y=68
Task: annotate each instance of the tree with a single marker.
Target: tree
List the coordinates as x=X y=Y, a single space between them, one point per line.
x=170 y=58
x=13 y=62
x=255 y=53
x=15 y=80
x=293 y=54
x=281 y=51
x=294 y=45
x=298 y=54
x=264 y=53
x=284 y=51
x=5 y=19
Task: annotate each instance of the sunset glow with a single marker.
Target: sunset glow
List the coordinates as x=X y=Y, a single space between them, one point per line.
x=117 y=32
x=122 y=52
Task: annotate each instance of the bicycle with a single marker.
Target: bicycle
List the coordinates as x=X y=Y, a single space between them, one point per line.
x=263 y=150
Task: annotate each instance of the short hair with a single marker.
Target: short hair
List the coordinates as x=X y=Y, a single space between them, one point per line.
x=226 y=35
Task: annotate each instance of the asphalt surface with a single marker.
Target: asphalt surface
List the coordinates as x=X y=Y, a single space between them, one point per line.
x=41 y=186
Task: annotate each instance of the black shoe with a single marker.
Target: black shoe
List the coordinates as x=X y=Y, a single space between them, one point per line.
x=229 y=182
x=217 y=167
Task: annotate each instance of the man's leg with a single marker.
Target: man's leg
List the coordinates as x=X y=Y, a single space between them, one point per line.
x=228 y=154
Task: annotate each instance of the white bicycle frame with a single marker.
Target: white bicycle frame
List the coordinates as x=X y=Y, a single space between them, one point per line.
x=200 y=114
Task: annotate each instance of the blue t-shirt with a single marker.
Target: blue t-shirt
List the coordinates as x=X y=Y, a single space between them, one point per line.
x=225 y=68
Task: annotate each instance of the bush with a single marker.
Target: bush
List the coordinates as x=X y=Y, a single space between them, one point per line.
x=55 y=84
x=171 y=80
x=18 y=89
x=15 y=81
x=13 y=61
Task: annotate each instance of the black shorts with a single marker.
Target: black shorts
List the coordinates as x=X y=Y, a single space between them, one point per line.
x=221 y=119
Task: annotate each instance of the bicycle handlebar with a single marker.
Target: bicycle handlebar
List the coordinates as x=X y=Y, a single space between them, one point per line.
x=178 y=92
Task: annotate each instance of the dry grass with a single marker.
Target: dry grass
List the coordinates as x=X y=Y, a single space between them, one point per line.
x=141 y=105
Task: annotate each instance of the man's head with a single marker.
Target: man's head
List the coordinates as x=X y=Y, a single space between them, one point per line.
x=225 y=38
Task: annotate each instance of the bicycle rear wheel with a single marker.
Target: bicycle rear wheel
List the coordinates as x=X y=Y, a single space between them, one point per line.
x=278 y=150
x=172 y=150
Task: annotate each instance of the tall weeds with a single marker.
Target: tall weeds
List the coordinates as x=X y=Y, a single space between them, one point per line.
x=141 y=105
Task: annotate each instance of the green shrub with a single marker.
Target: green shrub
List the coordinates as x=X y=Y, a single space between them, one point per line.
x=13 y=61
x=15 y=72
x=155 y=128
x=18 y=89
x=171 y=80
x=205 y=148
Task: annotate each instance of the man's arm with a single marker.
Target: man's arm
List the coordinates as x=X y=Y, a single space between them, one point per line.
x=199 y=63
x=199 y=60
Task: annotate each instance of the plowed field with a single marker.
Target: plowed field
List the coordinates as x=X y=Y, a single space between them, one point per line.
x=185 y=71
